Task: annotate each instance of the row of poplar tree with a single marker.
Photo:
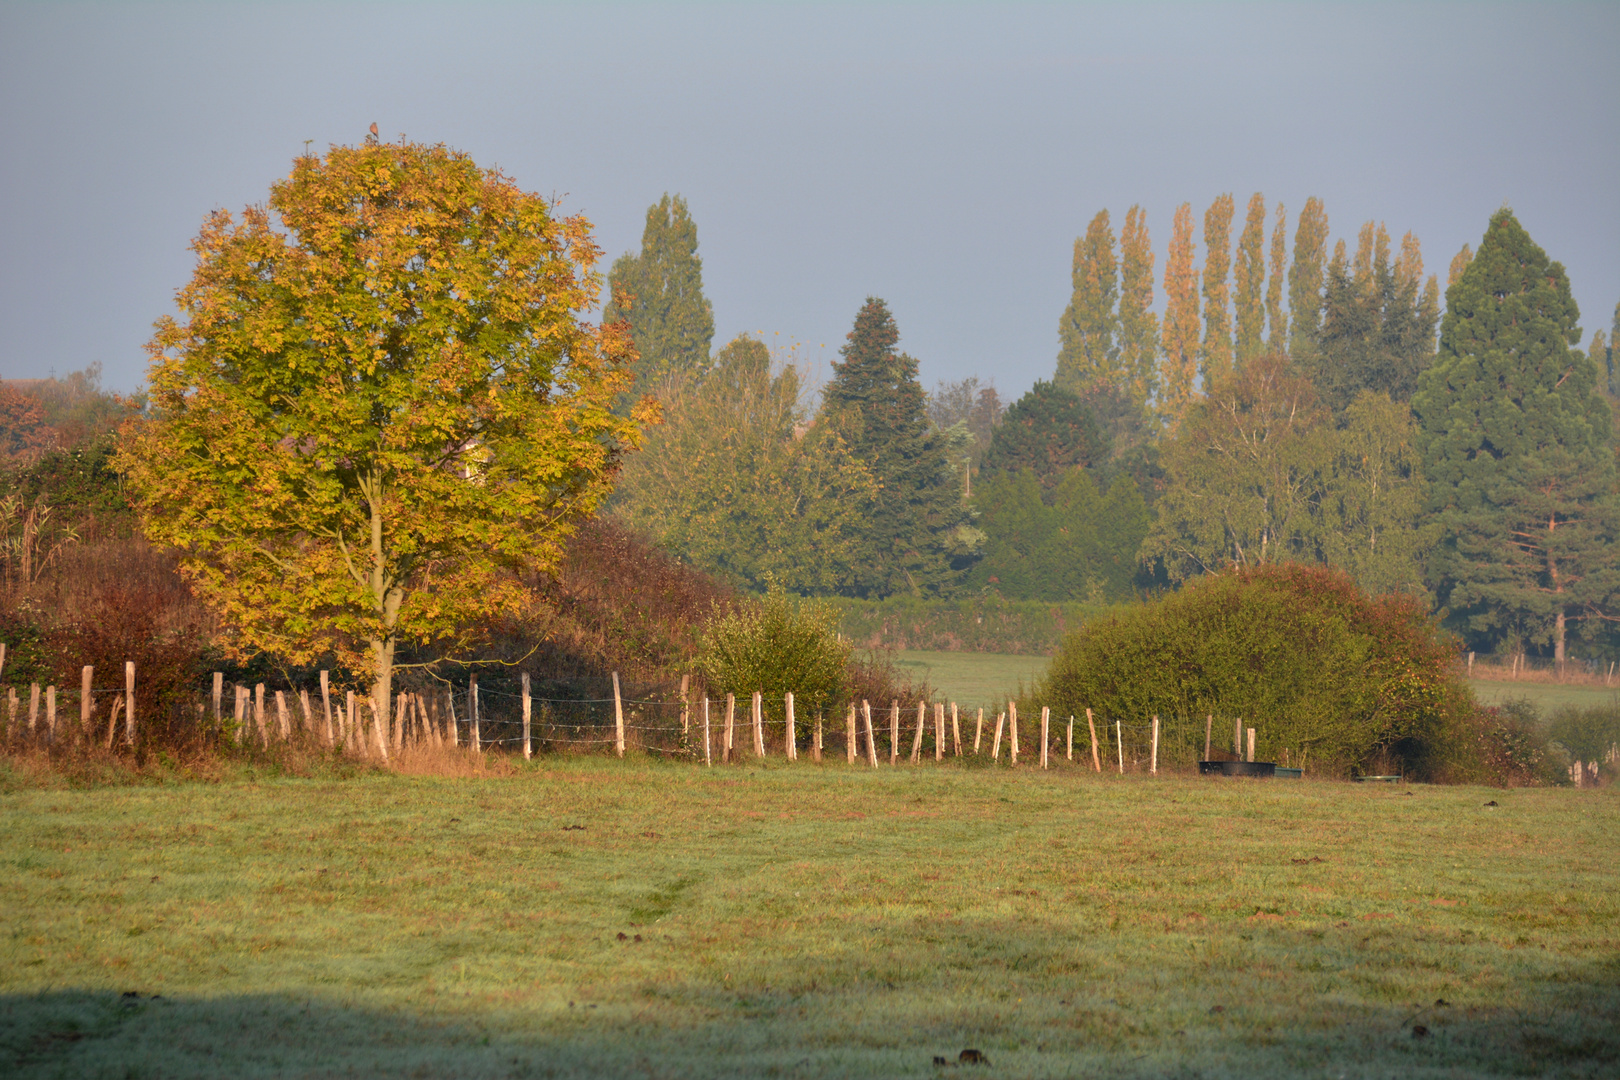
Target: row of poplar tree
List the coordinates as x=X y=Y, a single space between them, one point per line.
x=1238 y=429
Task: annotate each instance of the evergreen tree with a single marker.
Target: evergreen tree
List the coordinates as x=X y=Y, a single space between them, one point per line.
x=1378 y=322
x=1138 y=325
x=918 y=535
x=1305 y=281
x=1179 y=343
x=1089 y=355
x=1048 y=432
x=1249 y=277
x=1278 y=342
x=1517 y=447
x=1216 y=354
x=660 y=292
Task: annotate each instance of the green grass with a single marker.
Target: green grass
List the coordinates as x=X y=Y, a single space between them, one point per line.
x=973 y=679
x=1545 y=696
x=805 y=921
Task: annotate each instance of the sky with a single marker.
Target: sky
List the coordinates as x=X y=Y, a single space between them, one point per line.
x=943 y=157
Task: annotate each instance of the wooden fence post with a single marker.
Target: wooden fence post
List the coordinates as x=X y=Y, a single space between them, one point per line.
x=258 y=716
x=475 y=720
x=1119 y=743
x=450 y=708
x=87 y=692
x=305 y=711
x=995 y=747
x=708 y=758
x=379 y=724
x=1096 y=762
x=686 y=714
x=1046 y=723
x=916 y=743
x=816 y=753
x=219 y=694
x=731 y=719
x=1237 y=738
x=2 y=658
x=50 y=714
x=528 y=705
x=758 y=706
x=978 y=731
x=871 y=736
x=618 y=717
x=326 y=706
x=1153 y=767
x=33 y=709
x=849 y=734
x=1209 y=731
x=1470 y=663
x=400 y=705
x=1070 y=751
x=1012 y=729
x=11 y=713
x=939 y=731
x=240 y=713
x=281 y=715
x=894 y=733
x=129 y=702
x=112 y=720
x=346 y=722
x=956 y=732
x=792 y=729
x=1251 y=744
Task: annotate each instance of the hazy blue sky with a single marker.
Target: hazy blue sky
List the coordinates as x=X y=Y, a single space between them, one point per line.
x=943 y=157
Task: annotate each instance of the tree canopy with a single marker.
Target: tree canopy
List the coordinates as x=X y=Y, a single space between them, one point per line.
x=380 y=393
x=660 y=293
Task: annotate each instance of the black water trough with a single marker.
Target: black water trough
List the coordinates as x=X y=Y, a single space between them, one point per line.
x=1238 y=768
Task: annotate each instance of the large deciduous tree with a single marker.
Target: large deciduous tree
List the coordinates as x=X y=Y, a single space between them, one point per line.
x=660 y=293
x=917 y=538
x=1516 y=443
x=381 y=390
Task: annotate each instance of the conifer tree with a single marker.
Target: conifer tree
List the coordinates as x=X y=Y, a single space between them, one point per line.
x=1516 y=444
x=1138 y=325
x=1179 y=343
x=1048 y=432
x=1249 y=280
x=1089 y=355
x=1216 y=354
x=918 y=537
x=1598 y=353
x=660 y=292
x=1305 y=280
x=1459 y=263
x=1278 y=342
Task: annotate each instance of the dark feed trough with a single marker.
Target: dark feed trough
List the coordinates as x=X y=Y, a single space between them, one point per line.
x=1247 y=768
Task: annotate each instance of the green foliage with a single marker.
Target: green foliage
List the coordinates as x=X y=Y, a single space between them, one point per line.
x=917 y=537
x=1049 y=432
x=1516 y=443
x=1588 y=734
x=983 y=623
x=660 y=293
x=363 y=423
x=1070 y=543
x=1089 y=325
x=734 y=483
x=1305 y=281
x=1299 y=653
x=777 y=645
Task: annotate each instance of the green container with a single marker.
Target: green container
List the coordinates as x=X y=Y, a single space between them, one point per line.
x=1283 y=772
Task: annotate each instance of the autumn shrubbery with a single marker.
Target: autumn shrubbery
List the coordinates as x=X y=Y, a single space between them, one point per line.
x=1325 y=673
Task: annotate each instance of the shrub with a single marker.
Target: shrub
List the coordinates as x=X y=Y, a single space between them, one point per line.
x=1588 y=734
x=776 y=645
x=1299 y=653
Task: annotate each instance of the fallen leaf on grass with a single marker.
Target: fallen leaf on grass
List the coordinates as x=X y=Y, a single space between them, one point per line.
x=1303 y=862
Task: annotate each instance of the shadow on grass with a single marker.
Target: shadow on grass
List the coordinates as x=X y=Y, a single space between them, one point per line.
x=1573 y=1032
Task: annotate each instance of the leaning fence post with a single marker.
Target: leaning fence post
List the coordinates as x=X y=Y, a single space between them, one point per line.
x=527 y=706
x=87 y=676
x=326 y=706
x=1070 y=753
x=1209 y=730
x=995 y=747
x=978 y=730
x=1096 y=762
x=916 y=744
x=129 y=702
x=618 y=717
x=1046 y=722
x=792 y=735
x=1153 y=766
x=1012 y=729
x=731 y=725
x=871 y=737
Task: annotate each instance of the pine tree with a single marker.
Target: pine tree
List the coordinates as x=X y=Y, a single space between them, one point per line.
x=1216 y=354
x=660 y=292
x=1047 y=432
x=1305 y=280
x=1516 y=444
x=1278 y=342
x=918 y=535
x=1179 y=343
x=1249 y=279
x=1089 y=355
x=1138 y=325
x=1378 y=321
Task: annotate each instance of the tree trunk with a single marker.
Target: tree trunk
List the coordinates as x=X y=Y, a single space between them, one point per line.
x=1558 y=641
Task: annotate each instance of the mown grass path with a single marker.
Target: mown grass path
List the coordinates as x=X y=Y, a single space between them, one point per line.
x=805 y=921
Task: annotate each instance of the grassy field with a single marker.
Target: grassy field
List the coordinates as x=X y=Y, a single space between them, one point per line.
x=587 y=917
x=1546 y=696
x=972 y=679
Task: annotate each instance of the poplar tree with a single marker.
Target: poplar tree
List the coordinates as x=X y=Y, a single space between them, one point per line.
x=1179 y=342
x=660 y=293
x=1459 y=263
x=1249 y=278
x=1216 y=355
x=918 y=536
x=1278 y=342
x=1138 y=325
x=1305 y=280
x=1614 y=368
x=1516 y=444
x=1089 y=355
